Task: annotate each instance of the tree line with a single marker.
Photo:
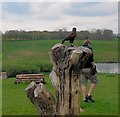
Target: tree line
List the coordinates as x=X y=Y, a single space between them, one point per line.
x=98 y=34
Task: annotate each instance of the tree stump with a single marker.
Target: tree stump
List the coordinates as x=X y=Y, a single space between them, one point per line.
x=65 y=76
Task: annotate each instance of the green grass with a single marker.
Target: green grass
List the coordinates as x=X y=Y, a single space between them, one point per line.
x=105 y=51
x=0 y=97
x=32 y=56
x=106 y=96
x=15 y=101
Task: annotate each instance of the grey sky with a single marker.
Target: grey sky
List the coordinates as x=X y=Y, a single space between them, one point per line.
x=55 y=15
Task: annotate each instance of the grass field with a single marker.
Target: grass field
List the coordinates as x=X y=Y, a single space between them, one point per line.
x=32 y=56
x=15 y=101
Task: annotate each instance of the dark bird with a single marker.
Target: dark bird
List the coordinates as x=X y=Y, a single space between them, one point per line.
x=70 y=37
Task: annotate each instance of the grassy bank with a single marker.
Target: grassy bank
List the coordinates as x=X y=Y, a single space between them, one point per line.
x=15 y=101
x=32 y=56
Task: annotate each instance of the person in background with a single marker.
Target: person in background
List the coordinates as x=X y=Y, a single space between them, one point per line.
x=88 y=74
x=70 y=37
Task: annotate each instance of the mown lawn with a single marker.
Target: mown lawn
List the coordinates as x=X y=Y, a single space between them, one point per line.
x=15 y=101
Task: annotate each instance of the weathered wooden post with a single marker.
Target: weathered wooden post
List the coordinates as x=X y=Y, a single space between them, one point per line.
x=3 y=75
x=65 y=77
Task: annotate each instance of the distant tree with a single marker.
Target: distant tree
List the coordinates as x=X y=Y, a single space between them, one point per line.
x=84 y=34
x=118 y=35
x=98 y=34
x=107 y=34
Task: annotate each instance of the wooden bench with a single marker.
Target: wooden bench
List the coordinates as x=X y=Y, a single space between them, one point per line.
x=29 y=78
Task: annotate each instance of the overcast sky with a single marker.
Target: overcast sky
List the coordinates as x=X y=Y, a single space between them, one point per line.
x=50 y=16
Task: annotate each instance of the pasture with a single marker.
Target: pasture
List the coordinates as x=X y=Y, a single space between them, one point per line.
x=32 y=56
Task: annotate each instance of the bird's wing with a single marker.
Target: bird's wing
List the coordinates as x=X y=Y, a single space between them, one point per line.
x=71 y=35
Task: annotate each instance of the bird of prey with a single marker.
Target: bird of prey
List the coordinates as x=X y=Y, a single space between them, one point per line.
x=70 y=37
